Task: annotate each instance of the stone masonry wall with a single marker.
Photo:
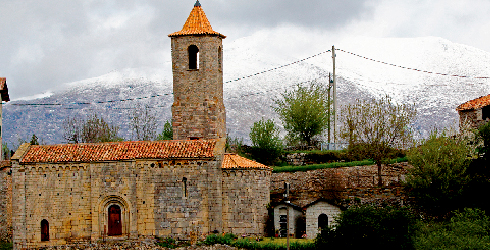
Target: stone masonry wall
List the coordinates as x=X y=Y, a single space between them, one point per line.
x=245 y=198
x=198 y=110
x=337 y=183
x=74 y=199
x=5 y=204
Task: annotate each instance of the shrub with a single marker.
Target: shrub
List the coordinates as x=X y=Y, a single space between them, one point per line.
x=468 y=229
x=214 y=239
x=168 y=243
x=379 y=228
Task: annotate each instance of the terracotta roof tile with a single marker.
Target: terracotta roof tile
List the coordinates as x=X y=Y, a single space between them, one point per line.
x=197 y=24
x=475 y=103
x=116 y=151
x=231 y=161
x=4 y=91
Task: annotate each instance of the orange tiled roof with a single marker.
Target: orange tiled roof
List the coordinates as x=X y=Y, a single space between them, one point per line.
x=475 y=103
x=235 y=161
x=197 y=24
x=4 y=91
x=115 y=151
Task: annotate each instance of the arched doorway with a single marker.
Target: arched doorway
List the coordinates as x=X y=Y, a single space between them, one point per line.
x=44 y=230
x=322 y=221
x=114 y=221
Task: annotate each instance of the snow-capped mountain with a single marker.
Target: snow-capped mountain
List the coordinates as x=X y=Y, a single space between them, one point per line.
x=249 y=96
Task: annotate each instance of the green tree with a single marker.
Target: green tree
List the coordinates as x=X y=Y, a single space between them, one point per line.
x=304 y=111
x=266 y=144
x=439 y=175
x=167 y=132
x=94 y=129
x=374 y=127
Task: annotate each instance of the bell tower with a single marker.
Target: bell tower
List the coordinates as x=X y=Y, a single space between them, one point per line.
x=198 y=111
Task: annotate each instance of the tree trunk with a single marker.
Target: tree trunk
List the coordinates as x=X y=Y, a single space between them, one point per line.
x=380 y=179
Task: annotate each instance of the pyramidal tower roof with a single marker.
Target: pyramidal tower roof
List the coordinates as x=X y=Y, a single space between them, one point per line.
x=197 y=24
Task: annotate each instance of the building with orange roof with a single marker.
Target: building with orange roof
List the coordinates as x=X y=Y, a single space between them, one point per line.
x=185 y=188
x=4 y=95
x=474 y=113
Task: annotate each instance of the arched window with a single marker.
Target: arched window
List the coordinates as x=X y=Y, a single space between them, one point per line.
x=44 y=230
x=322 y=221
x=193 y=57
x=220 y=58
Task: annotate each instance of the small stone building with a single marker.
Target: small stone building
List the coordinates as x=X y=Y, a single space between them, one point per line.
x=184 y=188
x=474 y=113
x=305 y=217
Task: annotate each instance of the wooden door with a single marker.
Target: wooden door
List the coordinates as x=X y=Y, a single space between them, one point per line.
x=115 y=226
x=44 y=230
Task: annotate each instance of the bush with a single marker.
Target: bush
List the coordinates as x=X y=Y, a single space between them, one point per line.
x=439 y=177
x=378 y=228
x=225 y=239
x=168 y=243
x=247 y=244
x=468 y=229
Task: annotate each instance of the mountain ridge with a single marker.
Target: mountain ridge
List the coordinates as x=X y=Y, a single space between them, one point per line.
x=250 y=98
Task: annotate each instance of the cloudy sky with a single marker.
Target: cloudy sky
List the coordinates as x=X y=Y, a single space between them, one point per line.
x=47 y=43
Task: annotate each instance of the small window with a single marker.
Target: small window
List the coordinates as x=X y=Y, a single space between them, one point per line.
x=44 y=230
x=193 y=57
x=184 y=187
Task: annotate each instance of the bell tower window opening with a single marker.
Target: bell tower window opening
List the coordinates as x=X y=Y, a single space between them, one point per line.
x=220 y=58
x=44 y=230
x=193 y=51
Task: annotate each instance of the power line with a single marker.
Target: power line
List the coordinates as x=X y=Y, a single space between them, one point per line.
x=276 y=68
x=409 y=68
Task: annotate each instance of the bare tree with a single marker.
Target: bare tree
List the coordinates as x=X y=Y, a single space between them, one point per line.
x=143 y=124
x=374 y=127
x=92 y=130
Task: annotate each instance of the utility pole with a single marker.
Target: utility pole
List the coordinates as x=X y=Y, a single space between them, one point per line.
x=334 y=100
x=329 y=108
x=287 y=185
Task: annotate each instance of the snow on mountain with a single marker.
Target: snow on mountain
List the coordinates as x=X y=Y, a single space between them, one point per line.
x=247 y=99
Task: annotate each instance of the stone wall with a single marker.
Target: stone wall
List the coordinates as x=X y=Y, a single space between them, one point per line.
x=337 y=183
x=152 y=195
x=245 y=198
x=5 y=202
x=198 y=110
x=471 y=119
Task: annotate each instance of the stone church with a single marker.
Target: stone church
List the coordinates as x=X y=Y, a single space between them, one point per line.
x=184 y=188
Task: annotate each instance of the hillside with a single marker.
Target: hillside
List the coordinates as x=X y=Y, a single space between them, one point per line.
x=250 y=98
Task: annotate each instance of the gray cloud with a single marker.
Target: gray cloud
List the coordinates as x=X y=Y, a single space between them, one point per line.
x=47 y=43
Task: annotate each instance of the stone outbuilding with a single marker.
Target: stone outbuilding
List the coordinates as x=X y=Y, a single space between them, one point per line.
x=474 y=113
x=185 y=188
x=305 y=217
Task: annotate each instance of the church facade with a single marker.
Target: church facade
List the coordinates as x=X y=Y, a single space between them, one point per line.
x=184 y=188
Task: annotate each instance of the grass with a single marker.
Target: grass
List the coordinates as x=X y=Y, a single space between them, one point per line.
x=331 y=165
x=274 y=244
x=5 y=246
